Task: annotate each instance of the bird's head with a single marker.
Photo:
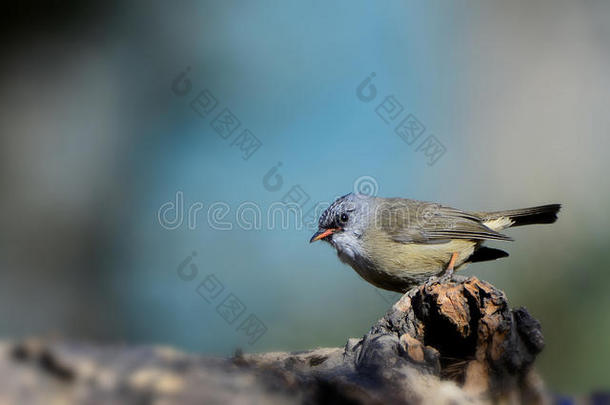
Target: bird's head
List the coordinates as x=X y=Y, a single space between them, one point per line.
x=343 y=220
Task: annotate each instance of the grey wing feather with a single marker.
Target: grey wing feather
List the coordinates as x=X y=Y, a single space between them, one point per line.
x=424 y=222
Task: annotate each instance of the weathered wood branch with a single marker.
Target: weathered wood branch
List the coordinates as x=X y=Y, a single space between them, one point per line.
x=454 y=342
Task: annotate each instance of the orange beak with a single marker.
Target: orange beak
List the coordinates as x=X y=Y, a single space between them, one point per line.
x=322 y=233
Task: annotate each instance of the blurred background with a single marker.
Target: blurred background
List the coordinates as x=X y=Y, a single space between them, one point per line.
x=123 y=124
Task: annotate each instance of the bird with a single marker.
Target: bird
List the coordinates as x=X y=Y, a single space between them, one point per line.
x=398 y=243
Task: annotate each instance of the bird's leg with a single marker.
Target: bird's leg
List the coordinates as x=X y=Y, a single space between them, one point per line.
x=450 y=267
x=448 y=273
x=451 y=264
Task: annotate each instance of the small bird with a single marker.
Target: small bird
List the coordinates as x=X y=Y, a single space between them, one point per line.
x=398 y=243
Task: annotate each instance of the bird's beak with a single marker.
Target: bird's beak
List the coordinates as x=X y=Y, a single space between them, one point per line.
x=322 y=233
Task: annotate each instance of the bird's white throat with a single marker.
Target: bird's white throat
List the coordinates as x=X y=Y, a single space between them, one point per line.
x=349 y=248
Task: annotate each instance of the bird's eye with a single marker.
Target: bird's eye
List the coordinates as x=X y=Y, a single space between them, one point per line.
x=344 y=218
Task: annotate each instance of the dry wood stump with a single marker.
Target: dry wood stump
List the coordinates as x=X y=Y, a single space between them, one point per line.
x=452 y=342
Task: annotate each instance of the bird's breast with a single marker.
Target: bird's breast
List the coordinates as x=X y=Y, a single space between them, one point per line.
x=398 y=266
x=411 y=263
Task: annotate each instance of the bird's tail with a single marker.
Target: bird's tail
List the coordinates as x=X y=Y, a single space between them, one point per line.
x=543 y=214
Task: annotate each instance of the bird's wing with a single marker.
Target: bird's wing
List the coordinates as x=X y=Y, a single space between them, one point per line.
x=411 y=221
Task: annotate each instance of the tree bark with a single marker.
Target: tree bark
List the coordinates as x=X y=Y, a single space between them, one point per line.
x=442 y=342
